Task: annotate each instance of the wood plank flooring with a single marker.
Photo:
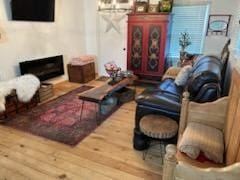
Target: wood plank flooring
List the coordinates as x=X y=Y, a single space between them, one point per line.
x=107 y=153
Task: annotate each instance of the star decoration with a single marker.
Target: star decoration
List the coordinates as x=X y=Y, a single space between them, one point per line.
x=113 y=21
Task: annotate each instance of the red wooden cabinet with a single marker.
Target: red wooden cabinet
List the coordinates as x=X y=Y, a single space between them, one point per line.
x=147 y=44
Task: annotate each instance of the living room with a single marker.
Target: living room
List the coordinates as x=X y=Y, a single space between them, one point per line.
x=85 y=29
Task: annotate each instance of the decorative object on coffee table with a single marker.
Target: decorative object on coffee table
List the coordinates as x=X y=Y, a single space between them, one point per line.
x=113 y=71
x=126 y=73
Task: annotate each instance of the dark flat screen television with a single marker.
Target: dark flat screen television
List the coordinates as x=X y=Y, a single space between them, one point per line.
x=44 y=68
x=33 y=10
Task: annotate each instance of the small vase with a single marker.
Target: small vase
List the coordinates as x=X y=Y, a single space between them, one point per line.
x=182 y=55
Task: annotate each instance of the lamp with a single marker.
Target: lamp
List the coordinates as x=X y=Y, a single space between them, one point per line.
x=114 y=6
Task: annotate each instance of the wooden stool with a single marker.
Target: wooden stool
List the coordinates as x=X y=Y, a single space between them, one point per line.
x=158 y=127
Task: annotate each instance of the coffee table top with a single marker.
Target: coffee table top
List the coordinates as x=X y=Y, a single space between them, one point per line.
x=98 y=94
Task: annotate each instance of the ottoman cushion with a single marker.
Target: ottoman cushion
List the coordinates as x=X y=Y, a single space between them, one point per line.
x=157 y=126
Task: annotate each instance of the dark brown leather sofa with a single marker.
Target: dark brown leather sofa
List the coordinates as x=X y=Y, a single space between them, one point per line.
x=204 y=85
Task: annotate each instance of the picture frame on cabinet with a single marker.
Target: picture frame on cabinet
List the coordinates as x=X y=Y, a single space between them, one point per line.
x=141 y=7
x=165 y=5
x=153 y=8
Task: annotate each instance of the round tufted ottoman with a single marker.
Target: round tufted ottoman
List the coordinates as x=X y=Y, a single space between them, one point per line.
x=159 y=127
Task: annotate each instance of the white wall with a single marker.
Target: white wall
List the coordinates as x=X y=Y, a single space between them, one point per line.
x=108 y=46
x=91 y=30
x=29 y=40
x=111 y=44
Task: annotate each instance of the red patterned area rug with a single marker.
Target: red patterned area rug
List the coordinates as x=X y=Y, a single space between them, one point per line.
x=59 y=119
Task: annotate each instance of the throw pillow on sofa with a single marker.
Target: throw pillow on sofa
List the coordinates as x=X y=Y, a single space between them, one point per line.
x=183 y=75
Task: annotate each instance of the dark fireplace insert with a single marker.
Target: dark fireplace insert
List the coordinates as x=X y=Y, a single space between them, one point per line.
x=44 y=68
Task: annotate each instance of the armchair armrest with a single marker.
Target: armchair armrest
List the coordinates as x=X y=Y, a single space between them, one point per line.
x=171 y=72
x=187 y=172
x=212 y=113
x=172 y=169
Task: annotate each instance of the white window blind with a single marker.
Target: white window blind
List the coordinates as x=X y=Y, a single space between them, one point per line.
x=192 y=19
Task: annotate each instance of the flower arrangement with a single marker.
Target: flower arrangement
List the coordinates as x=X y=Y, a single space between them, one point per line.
x=184 y=41
x=112 y=69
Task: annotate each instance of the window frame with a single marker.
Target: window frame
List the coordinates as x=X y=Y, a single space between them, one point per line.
x=202 y=45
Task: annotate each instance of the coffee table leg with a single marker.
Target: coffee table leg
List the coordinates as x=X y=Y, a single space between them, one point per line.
x=81 y=109
x=98 y=113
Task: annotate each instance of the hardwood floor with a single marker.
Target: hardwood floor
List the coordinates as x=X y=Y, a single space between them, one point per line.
x=107 y=153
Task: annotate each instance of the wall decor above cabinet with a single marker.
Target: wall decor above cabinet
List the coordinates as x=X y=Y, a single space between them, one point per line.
x=218 y=24
x=153 y=6
x=111 y=6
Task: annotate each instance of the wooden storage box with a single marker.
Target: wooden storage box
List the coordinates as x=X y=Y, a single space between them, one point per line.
x=81 y=73
x=45 y=91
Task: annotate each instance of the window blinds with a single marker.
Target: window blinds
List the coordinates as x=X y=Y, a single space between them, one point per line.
x=192 y=19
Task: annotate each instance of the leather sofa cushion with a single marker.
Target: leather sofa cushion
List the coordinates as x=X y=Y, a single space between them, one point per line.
x=168 y=85
x=167 y=98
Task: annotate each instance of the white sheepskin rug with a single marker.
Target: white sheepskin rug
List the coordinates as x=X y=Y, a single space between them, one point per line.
x=25 y=86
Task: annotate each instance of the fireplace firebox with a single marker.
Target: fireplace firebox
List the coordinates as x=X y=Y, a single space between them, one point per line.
x=44 y=68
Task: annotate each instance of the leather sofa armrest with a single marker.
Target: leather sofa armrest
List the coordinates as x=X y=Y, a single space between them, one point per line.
x=171 y=72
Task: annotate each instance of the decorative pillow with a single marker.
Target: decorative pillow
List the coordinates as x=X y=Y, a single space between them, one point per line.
x=183 y=75
x=201 y=138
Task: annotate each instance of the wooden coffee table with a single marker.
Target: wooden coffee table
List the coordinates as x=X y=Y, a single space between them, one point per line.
x=98 y=94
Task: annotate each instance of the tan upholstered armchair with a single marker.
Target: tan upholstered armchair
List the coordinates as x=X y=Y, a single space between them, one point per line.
x=223 y=115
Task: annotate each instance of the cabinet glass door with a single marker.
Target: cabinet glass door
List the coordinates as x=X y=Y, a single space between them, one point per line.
x=136 y=48
x=154 y=45
x=154 y=60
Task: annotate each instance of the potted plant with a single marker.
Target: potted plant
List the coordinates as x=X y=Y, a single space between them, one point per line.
x=184 y=42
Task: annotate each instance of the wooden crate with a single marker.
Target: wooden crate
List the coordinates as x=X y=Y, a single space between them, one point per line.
x=81 y=74
x=14 y=106
x=45 y=91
